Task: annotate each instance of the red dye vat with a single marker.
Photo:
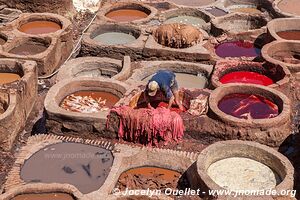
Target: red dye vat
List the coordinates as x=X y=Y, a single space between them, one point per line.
x=246 y=77
x=247 y=106
x=237 y=49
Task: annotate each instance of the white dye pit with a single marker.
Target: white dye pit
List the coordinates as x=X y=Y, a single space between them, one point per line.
x=115 y=38
x=189 y=20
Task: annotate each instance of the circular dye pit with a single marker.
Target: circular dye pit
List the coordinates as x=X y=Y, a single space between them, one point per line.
x=45 y=196
x=246 y=77
x=115 y=38
x=39 y=27
x=289 y=35
x=217 y=12
x=29 y=48
x=287 y=57
x=84 y=166
x=290 y=6
x=126 y=15
x=237 y=49
x=9 y=78
x=193 y=2
x=190 y=20
x=89 y=101
x=238 y=173
x=247 y=106
x=150 y=177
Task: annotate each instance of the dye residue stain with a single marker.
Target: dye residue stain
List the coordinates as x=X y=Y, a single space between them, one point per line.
x=247 y=106
x=39 y=27
x=290 y=6
x=115 y=38
x=89 y=101
x=84 y=166
x=239 y=173
x=45 y=196
x=8 y=78
x=27 y=49
x=237 y=49
x=149 y=177
x=246 y=77
x=126 y=15
x=289 y=35
x=189 y=20
x=217 y=12
x=287 y=57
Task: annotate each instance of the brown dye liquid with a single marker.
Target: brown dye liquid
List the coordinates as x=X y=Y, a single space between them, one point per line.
x=84 y=166
x=40 y=27
x=287 y=57
x=289 y=35
x=247 y=10
x=111 y=99
x=126 y=15
x=45 y=196
x=8 y=78
x=148 y=177
x=28 y=49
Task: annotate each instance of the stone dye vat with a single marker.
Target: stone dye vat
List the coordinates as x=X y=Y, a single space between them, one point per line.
x=8 y=78
x=237 y=49
x=87 y=174
x=289 y=8
x=286 y=29
x=238 y=165
x=113 y=40
x=193 y=3
x=187 y=16
x=43 y=50
x=39 y=27
x=127 y=12
x=273 y=112
x=267 y=74
x=215 y=11
x=239 y=23
x=96 y=67
x=284 y=53
x=60 y=119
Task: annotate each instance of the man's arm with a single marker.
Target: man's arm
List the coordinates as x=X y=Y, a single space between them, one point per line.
x=147 y=100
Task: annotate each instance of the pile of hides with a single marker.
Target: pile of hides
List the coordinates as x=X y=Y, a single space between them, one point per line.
x=177 y=35
x=148 y=126
x=199 y=106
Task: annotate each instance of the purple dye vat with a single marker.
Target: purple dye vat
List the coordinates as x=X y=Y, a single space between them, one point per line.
x=237 y=49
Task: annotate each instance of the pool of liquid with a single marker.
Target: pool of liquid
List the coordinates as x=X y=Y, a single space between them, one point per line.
x=115 y=38
x=247 y=106
x=289 y=35
x=290 y=6
x=45 y=196
x=84 y=166
x=287 y=57
x=126 y=15
x=217 y=12
x=9 y=78
x=40 y=27
x=237 y=49
x=27 y=49
x=193 y=2
x=189 y=20
x=248 y=10
x=246 y=77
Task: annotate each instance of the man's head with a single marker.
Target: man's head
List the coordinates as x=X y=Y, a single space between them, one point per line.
x=152 y=88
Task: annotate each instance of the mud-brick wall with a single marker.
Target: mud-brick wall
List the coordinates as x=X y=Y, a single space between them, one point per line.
x=54 y=6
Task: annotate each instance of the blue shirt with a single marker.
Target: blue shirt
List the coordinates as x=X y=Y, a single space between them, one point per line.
x=165 y=80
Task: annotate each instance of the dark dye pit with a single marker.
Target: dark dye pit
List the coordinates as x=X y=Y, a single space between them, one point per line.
x=289 y=35
x=246 y=77
x=39 y=27
x=126 y=15
x=287 y=57
x=217 y=12
x=27 y=49
x=247 y=106
x=84 y=166
x=237 y=49
x=43 y=196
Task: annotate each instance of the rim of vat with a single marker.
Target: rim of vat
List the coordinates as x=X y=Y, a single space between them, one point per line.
x=218 y=22
x=41 y=188
x=281 y=45
x=31 y=17
x=62 y=89
x=281 y=12
x=49 y=43
x=236 y=66
x=275 y=96
x=12 y=102
x=282 y=24
x=234 y=148
x=149 y=10
x=265 y=4
x=199 y=6
x=98 y=29
x=77 y=65
x=149 y=68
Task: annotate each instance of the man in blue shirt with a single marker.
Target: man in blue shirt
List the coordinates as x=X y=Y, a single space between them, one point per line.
x=164 y=81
